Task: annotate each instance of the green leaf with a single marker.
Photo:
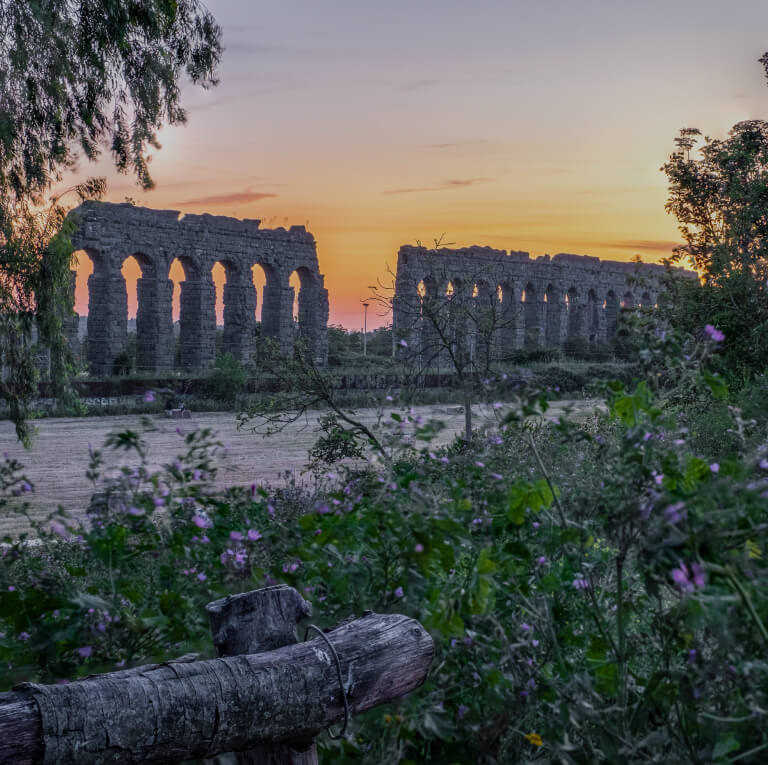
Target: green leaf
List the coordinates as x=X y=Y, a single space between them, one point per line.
x=725 y=746
x=716 y=384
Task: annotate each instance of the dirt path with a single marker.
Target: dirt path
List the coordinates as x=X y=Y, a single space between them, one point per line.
x=58 y=459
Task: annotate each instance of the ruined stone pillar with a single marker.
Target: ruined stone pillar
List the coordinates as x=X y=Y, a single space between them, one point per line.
x=277 y=314
x=406 y=324
x=576 y=318
x=154 y=325
x=313 y=318
x=510 y=321
x=107 y=319
x=71 y=323
x=533 y=311
x=555 y=316
x=197 y=323
x=239 y=319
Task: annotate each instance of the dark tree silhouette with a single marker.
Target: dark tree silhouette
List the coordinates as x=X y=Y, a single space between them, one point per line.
x=77 y=76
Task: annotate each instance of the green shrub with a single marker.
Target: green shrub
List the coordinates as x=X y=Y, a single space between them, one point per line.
x=227 y=379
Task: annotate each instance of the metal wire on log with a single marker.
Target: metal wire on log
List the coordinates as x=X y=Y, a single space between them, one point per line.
x=176 y=711
x=255 y=622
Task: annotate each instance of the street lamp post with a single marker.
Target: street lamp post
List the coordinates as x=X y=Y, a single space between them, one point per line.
x=365 y=329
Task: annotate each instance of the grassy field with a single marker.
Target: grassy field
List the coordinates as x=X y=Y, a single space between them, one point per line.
x=57 y=462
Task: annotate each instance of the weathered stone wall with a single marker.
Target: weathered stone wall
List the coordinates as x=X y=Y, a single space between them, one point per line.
x=110 y=233
x=535 y=302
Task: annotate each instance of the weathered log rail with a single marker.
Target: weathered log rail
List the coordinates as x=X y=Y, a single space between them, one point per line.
x=268 y=703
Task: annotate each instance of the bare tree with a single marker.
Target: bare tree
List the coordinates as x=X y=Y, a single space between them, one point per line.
x=305 y=387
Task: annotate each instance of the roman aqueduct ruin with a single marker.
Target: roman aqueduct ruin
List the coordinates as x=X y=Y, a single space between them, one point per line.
x=537 y=302
x=533 y=303
x=111 y=233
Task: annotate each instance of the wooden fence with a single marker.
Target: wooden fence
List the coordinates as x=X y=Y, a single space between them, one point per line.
x=266 y=697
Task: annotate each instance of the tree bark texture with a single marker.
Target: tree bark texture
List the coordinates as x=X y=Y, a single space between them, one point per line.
x=256 y=622
x=175 y=711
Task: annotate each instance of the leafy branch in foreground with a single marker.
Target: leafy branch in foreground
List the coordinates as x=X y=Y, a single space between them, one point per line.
x=87 y=74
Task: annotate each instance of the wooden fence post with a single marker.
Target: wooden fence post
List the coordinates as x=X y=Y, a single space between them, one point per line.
x=257 y=622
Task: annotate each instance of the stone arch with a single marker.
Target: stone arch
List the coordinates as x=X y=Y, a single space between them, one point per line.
x=646 y=301
x=628 y=301
x=553 y=317
x=119 y=229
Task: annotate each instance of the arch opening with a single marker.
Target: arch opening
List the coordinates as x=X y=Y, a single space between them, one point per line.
x=132 y=272
x=304 y=285
x=259 y=280
x=177 y=274
x=219 y=276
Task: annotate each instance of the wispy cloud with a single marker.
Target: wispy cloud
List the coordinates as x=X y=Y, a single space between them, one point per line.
x=647 y=245
x=419 y=84
x=458 y=183
x=235 y=197
x=456 y=144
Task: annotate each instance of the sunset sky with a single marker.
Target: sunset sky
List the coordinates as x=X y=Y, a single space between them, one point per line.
x=536 y=126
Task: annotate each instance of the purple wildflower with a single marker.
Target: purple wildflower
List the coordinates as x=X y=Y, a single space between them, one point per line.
x=149 y=396
x=398 y=592
x=579 y=583
x=714 y=333
x=85 y=651
x=675 y=513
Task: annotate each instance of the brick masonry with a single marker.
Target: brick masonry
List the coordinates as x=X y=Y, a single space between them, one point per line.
x=110 y=233
x=536 y=302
